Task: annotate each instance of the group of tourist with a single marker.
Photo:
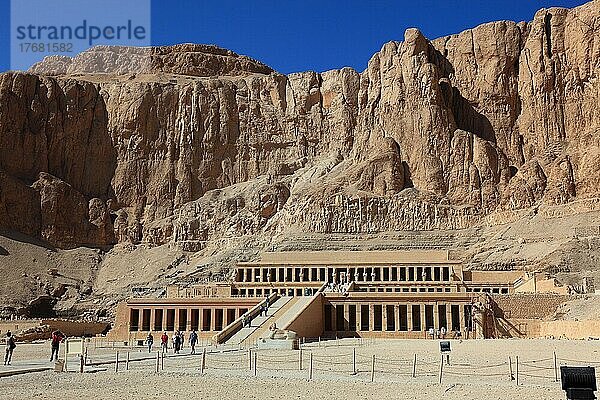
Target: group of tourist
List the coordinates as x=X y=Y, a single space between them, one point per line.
x=442 y=332
x=10 y=344
x=342 y=286
x=177 y=340
x=264 y=309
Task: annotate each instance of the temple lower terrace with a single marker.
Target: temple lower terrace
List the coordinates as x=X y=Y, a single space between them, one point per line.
x=394 y=294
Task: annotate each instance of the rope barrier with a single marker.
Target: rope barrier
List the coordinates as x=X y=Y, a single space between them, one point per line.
x=355 y=364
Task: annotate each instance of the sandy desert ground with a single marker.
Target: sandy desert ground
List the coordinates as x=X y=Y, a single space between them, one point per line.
x=478 y=370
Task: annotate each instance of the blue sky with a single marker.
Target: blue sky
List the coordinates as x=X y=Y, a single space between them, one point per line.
x=302 y=35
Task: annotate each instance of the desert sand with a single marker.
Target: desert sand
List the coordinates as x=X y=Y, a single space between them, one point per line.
x=478 y=369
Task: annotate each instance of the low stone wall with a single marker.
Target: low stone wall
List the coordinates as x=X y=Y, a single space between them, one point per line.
x=529 y=315
x=528 y=305
x=570 y=329
x=35 y=329
x=309 y=323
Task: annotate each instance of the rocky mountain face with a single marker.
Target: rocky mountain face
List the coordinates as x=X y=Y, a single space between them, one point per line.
x=189 y=144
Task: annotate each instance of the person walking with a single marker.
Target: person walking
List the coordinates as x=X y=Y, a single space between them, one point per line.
x=182 y=337
x=57 y=338
x=10 y=347
x=164 y=342
x=193 y=341
x=149 y=341
x=176 y=342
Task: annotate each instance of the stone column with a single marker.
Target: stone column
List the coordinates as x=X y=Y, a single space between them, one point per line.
x=423 y=321
x=397 y=315
x=384 y=317
x=448 y=317
x=188 y=322
x=200 y=319
x=334 y=318
x=346 y=317
x=461 y=318
x=213 y=319
x=152 y=318
x=164 y=320
x=436 y=316
x=409 y=318
x=176 y=327
x=358 y=318
x=371 y=317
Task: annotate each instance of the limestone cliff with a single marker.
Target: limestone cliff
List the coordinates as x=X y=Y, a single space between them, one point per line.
x=191 y=143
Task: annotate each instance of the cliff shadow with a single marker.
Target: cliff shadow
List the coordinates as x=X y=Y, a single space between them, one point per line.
x=23 y=238
x=469 y=119
x=465 y=114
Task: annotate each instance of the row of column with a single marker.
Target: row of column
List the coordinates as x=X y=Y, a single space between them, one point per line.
x=331 y=274
x=408 y=317
x=182 y=319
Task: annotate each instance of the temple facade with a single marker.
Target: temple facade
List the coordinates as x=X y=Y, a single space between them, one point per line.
x=396 y=294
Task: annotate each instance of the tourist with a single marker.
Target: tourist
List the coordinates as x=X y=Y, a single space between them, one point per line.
x=149 y=341
x=164 y=342
x=57 y=338
x=182 y=339
x=176 y=342
x=432 y=333
x=266 y=302
x=443 y=332
x=10 y=346
x=193 y=341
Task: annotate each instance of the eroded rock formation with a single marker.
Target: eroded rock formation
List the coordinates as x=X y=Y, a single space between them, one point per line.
x=190 y=142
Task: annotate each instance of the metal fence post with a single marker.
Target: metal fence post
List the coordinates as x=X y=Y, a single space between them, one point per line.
x=354 y=360
x=555 y=368
x=373 y=369
x=203 y=362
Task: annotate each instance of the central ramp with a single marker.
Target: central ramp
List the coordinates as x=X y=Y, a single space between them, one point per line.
x=259 y=322
x=282 y=318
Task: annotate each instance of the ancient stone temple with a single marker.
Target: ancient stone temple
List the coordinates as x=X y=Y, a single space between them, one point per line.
x=396 y=294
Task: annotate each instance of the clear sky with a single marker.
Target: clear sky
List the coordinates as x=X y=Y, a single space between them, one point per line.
x=317 y=35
